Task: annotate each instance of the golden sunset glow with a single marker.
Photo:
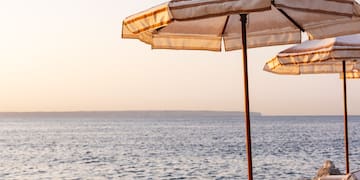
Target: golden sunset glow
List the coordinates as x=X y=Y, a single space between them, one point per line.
x=69 y=56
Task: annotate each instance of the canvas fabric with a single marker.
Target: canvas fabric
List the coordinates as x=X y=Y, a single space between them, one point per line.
x=319 y=56
x=215 y=24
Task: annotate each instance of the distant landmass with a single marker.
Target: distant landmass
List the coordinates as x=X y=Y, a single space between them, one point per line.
x=128 y=113
x=150 y=113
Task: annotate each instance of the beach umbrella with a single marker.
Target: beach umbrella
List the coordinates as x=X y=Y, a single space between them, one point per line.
x=241 y=24
x=331 y=55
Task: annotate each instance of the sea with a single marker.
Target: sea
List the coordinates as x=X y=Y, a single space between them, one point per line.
x=170 y=145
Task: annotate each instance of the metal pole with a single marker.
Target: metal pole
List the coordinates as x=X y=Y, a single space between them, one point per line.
x=346 y=142
x=246 y=91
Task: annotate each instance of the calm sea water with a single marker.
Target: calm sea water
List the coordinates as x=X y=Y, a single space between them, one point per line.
x=169 y=145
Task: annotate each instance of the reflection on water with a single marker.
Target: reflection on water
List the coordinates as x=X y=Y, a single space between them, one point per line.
x=204 y=145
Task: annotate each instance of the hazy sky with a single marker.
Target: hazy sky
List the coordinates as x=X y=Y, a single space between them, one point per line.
x=68 y=55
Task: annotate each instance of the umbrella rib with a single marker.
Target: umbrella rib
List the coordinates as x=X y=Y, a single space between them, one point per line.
x=225 y=25
x=339 y=1
x=314 y=10
x=292 y=20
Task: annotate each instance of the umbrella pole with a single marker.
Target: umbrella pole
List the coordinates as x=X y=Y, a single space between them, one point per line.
x=246 y=91
x=346 y=143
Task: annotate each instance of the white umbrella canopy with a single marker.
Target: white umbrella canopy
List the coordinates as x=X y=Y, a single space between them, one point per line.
x=331 y=55
x=241 y=24
x=319 y=56
x=203 y=24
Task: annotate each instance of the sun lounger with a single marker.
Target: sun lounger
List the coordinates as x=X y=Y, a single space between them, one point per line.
x=334 y=177
x=352 y=176
x=355 y=175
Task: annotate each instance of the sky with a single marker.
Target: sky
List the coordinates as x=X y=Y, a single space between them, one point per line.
x=69 y=56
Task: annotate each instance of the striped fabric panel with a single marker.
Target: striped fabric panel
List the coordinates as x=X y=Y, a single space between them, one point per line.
x=151 y=19
x=333 y=7
x=260 y=40
x=343 y=1
x=186 y=42
x=338 y=53
x=335 y=28
x=350 y=75
x=274 y=66
x=318 y=56
x=164 y=14
x=327 y=61
x=323 y=68
x=126 y=33
x=196 y=9
x=184 y=4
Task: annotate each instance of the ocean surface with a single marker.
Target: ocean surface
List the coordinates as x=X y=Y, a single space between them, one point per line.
x=170 y=145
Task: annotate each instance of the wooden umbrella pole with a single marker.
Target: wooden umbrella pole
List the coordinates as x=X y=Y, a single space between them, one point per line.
x=246 y=91
x=346 y=143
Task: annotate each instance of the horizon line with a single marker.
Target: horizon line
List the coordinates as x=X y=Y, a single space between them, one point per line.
x=210 y=111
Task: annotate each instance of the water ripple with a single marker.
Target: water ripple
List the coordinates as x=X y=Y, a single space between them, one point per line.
x=166 y=147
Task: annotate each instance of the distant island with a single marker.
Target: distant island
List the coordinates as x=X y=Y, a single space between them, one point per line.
x=149 y=113
x=154 y=113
